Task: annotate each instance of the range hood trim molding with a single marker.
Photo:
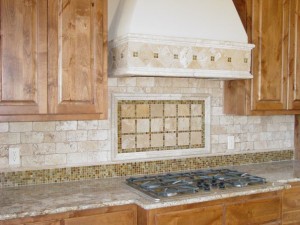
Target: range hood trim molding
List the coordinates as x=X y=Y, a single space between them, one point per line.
x=192 y=42
x=122 y=61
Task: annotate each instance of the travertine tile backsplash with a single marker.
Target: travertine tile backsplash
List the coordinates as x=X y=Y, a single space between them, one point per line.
x=68 y=143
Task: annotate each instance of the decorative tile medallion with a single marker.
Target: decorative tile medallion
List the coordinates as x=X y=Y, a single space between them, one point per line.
x=160 y=126
x=60 y=175
x=157 y=125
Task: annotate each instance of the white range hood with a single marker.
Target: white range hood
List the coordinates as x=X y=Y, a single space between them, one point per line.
x=177 y=38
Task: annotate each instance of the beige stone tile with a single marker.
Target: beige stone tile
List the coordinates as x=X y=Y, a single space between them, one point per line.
x=143 y=141
x=183 y=124
x=4 y=127
x=32 y=137
x=170 y=124
x=78 y=135
x=170 y=109
x=183 y=139
x=43 y=126
x=66 y=125
x=25 y=149
x=128 y=110
x=66 y=147
x=163 y=82
x=4 y=162
x=196 y=138
x=88 y=125
x=128 y=141
x=180 y=82
x=77 y=158
x=88 y=146
x=9 y=138
x=143 y=125
x=3 y=150
x=56 y=159
x=33 y=161
x=126 y=81
x=157 y=140
x=55 y=136
x=170 y=139
x=103 y=124
x=157 y=125
x=44 y=148
x=157 y=110
x=97 y=135
x=196 y=123
x=183 y=109
x=196 y=110
x=20 y=126
x=128 y=126
x=142 y=110
x=145 y=81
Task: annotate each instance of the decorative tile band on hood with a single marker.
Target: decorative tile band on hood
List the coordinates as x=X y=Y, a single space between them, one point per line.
x=189 y=39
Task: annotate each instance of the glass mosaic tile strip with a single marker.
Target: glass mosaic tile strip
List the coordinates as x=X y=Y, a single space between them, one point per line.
x=60 y=175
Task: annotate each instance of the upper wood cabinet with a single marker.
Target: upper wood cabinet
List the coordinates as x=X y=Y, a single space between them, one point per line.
x=272 y=25
x=53 y=59
x=77 y=82
x=23 y=57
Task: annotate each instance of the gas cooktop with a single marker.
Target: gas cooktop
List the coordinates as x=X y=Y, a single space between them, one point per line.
x=176 y=184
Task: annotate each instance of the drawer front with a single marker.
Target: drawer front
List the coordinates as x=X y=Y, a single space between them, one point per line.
x=115 y=218
x=205 y=216
x=262 y=211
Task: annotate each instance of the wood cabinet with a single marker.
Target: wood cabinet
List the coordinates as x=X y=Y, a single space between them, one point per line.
x=23 y=57
x=258 y=209
x=272 y=25
x=210 y=215
x=291 y=205
x=115 y=218
x=53 y=59
x=118 y=215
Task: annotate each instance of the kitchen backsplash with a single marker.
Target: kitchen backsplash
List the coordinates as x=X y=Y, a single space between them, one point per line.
x=81 y=143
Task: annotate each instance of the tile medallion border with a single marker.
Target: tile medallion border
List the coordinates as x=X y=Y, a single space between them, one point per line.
x=164 y=153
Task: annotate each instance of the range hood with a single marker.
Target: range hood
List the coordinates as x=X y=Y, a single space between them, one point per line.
x=177 y=38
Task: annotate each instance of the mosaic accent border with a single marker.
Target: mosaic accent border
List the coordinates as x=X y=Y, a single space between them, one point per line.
x=157 y=125
x=47 y=176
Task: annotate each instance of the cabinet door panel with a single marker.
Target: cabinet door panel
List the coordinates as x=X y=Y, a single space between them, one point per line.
x=116 y=218
x=270 y=57
x=77 y=66
x=294 y=66
x=263 y=211
x=23 y=57
x=205 y=216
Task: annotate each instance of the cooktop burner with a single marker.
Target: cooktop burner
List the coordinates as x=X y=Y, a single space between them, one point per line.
x=173 y=184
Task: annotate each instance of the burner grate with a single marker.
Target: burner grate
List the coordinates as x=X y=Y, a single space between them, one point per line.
x=174 y=184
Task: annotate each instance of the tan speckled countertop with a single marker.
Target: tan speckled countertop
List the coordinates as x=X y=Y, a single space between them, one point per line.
x=55 y=198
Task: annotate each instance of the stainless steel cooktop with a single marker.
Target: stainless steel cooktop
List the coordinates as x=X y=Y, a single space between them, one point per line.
x=177 y=184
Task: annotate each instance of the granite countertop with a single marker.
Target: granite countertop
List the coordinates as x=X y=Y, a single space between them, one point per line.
x=55 y=198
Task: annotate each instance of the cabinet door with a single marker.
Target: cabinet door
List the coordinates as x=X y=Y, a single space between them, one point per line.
x=291 y=205
x=115 y=218
x=270 y=21
x=23 y=57
x=77 y=63
x=256 y=212
x=294 y=66
x=212 y=215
